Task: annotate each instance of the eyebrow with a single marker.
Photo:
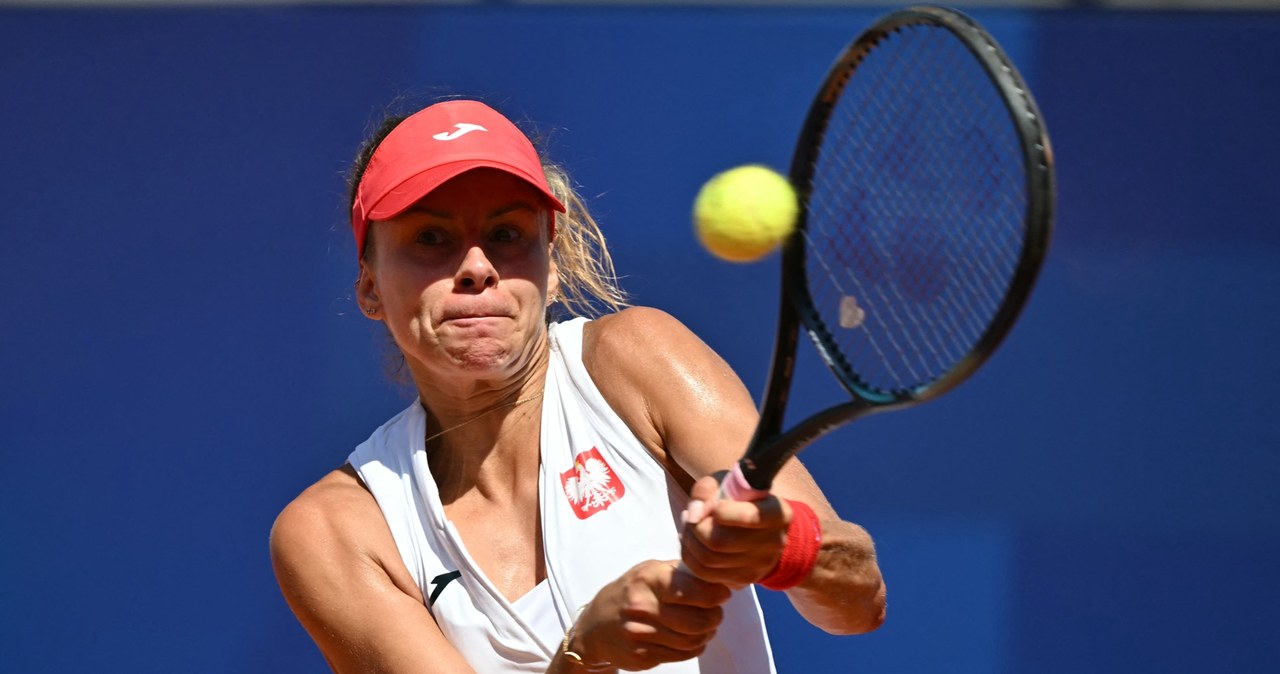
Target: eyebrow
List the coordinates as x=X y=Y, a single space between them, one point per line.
x=496 y=213
x=511 y=208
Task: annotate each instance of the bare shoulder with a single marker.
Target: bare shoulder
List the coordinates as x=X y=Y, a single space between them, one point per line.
x=334 y=523
x=647 y=345
x=341 y=574
x=636 y=339
x=330 y=506
x=633 y=354
x=668 y=385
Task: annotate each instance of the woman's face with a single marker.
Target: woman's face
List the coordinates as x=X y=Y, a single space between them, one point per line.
x=461 y=278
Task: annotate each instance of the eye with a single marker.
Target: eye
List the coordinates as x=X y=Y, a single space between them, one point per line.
x=505 y=234
x=431 y=237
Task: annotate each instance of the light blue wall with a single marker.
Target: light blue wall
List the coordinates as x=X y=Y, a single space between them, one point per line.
x=180 y=355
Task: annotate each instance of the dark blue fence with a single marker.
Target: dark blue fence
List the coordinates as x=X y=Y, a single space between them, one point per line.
x=180 y=353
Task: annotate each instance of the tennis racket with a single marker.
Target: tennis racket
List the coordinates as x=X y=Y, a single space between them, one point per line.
x=926 y=187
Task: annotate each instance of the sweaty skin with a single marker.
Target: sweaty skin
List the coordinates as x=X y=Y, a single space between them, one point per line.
x=461 y=281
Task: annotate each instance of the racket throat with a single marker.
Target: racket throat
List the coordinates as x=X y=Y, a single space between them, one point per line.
x=765 y=460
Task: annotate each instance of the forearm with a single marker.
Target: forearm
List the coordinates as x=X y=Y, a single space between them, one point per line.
x=845 y=593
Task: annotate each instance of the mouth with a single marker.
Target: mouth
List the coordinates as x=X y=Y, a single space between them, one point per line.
x=472 y=318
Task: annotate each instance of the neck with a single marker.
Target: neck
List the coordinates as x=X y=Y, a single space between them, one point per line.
x=484 y=437
x=461 y=397
x=496 y=408
x=491 y=457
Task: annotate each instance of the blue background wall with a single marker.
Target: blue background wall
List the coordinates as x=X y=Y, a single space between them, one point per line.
x=180 y=355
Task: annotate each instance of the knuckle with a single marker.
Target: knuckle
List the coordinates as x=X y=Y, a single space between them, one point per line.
x=715 y=615
x=694 y=558
x=702 y=623
x=633 y=630
x=634 y=595
x=719 y=538
x=691 y=546
x=647 y=569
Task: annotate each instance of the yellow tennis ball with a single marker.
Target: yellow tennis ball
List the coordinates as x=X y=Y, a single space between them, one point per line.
x=745 y=213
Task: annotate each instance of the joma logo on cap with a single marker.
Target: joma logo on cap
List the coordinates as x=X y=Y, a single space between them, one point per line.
x=463 y=129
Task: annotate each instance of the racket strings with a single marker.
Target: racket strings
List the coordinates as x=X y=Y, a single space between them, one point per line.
x=916 y=210
x=933 y=339
x=878 y=251
x=890 y=296
x=979 y=172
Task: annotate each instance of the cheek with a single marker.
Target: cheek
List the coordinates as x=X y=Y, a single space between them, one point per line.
x=409 y=310
x=531 y=265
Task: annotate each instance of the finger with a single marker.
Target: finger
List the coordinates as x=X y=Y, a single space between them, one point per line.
x=706 y=488
x=673 y=633
x=740 y=551
x=689 y=629
x=727 y=540
x=641 y=655
x=684 y=588
x=675 y=641
x=735 y=571
x=767 y=513
x=733 y=540
x=702 y=499
x=690 y=621
x=694 y=512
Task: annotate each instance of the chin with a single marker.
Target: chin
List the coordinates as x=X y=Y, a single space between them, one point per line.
x=482 y=356
x=496 y=352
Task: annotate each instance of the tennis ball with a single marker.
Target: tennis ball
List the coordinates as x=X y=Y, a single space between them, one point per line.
x=743 y=214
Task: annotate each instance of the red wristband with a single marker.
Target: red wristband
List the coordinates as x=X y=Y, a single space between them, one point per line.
x=800 y=554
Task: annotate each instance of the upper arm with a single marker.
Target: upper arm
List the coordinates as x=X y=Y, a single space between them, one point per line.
x=338 y=568
x=676 y=395
x=687 y=405
x=681 y=399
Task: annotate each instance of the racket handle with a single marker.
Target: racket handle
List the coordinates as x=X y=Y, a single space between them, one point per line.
x=736 y=487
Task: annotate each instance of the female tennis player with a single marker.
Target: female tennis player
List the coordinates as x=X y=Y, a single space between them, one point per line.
x=548 y=503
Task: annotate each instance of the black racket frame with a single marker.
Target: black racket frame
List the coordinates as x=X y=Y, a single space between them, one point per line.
x=769 y=448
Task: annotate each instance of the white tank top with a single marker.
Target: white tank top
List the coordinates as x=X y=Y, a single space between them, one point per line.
x=606 y=505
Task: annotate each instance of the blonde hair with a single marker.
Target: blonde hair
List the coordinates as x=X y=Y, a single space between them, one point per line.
x=588 y=282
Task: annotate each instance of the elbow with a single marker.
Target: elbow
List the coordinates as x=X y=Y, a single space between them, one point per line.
x=861 y=617
x=874 y=615
x=874 y=618
x=859 y=625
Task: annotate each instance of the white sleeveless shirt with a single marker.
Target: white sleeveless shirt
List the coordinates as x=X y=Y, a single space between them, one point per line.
x=606 y=505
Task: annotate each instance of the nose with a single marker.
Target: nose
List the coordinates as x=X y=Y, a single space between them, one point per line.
x=476 y=272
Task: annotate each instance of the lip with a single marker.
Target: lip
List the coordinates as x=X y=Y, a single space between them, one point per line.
x=465 y=320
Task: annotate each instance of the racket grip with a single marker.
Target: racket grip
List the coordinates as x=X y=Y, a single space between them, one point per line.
x=736 y=487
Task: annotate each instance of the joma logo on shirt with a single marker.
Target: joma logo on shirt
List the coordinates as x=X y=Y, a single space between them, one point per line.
x=591 y=485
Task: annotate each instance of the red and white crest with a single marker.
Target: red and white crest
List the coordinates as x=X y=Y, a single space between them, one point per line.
x=591 y=485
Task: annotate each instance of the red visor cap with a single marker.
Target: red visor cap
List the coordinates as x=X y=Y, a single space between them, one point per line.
x=429 y=148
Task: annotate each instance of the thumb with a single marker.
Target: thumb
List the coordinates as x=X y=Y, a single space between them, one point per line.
x=702 y=498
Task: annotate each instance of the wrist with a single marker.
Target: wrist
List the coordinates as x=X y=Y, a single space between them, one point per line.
x=571 y=651
x=800 y=552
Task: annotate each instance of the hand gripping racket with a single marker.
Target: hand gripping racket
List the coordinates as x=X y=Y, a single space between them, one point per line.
x=926 y=187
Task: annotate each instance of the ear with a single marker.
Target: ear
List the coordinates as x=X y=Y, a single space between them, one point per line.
x=553 y=282
x=367 y=293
